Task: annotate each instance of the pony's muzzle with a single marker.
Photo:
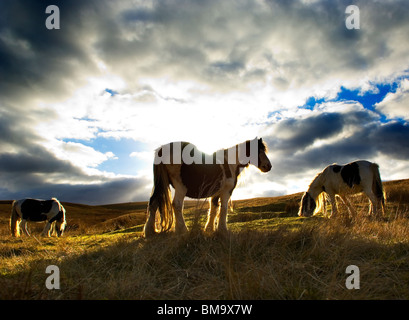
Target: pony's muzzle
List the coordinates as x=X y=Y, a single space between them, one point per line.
x=265 y=167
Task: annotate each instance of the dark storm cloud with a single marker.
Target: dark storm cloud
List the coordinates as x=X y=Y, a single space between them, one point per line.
x=21 y=150
x=205 y=41
x=36 y=172
x=294 y=135
x=392 y=139
x=11 y=130
x=346 y=137
x=34 y=59
x=115 y=191
x=28 y=169
x=38 y=162
x=221 y=43
x=37 y=64
x=357 y=146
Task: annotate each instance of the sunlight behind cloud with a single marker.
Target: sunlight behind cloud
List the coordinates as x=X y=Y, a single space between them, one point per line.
x=91 y=103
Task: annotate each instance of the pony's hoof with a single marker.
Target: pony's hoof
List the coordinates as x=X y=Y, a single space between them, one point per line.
x=147 y=233
x=181 y=230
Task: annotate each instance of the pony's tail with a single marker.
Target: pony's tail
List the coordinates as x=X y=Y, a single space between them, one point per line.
x=377 y=187
x=14 y=220
x=160 y=199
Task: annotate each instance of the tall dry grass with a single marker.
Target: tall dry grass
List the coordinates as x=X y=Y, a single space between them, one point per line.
x=284 y=257
x=308 y=263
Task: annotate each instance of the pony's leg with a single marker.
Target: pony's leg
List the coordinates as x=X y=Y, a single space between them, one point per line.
x=23 y=225
x=149 y=228
x=374 y=204
x=352 y=211
x=334 y=209
x=224 y=204
x=324 y=205
x=46 y=231
x=178 y=199
x=18 y=227
x=214 y=205
x=16 y=230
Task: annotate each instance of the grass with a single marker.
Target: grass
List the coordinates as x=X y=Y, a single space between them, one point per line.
x=270 y=253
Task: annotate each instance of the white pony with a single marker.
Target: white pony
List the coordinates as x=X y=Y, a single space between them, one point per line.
x=25 y=210
x=355 y=177
x=197 y=175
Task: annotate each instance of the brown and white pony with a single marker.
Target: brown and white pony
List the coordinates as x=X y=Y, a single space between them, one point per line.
x=355 y=177
x=195 y=174
x=34 y=210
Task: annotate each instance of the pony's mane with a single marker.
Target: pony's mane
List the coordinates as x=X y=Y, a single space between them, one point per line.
x=56 y=200
x=318 y=179
x=242 y=174
x=262 y=145
x=60 y=206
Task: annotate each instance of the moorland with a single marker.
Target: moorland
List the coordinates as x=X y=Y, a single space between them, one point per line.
x=269 y=253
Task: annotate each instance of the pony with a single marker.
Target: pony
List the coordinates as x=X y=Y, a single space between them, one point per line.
x=342 y=180
x=195 y=174
x=34 y=210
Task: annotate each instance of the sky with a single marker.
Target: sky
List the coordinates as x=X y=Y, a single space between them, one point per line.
x=83 y=107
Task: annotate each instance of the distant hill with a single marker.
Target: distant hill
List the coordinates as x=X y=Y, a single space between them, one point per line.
x=124 y=215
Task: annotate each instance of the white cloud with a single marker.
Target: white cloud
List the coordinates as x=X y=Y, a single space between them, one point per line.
x=80 y=155
x=143 y=155
x=396 y=105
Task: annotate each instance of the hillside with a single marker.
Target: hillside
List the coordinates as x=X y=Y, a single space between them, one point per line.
x=270 y=253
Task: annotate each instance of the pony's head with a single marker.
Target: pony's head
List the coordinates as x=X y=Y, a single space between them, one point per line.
x=307 y=206
x=60 y=227
x=310 y=206
x=264 y=163
x=313 y=200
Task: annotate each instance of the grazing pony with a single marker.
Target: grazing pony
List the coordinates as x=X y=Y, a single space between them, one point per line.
x=25 y=210
x=355 y=177
x=195 y=174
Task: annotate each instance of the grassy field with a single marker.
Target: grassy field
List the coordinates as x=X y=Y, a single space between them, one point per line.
x=270 y=253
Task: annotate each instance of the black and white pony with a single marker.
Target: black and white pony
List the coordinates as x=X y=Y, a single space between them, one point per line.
x=195 y=174
x=34 y=210
x=352 y=178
